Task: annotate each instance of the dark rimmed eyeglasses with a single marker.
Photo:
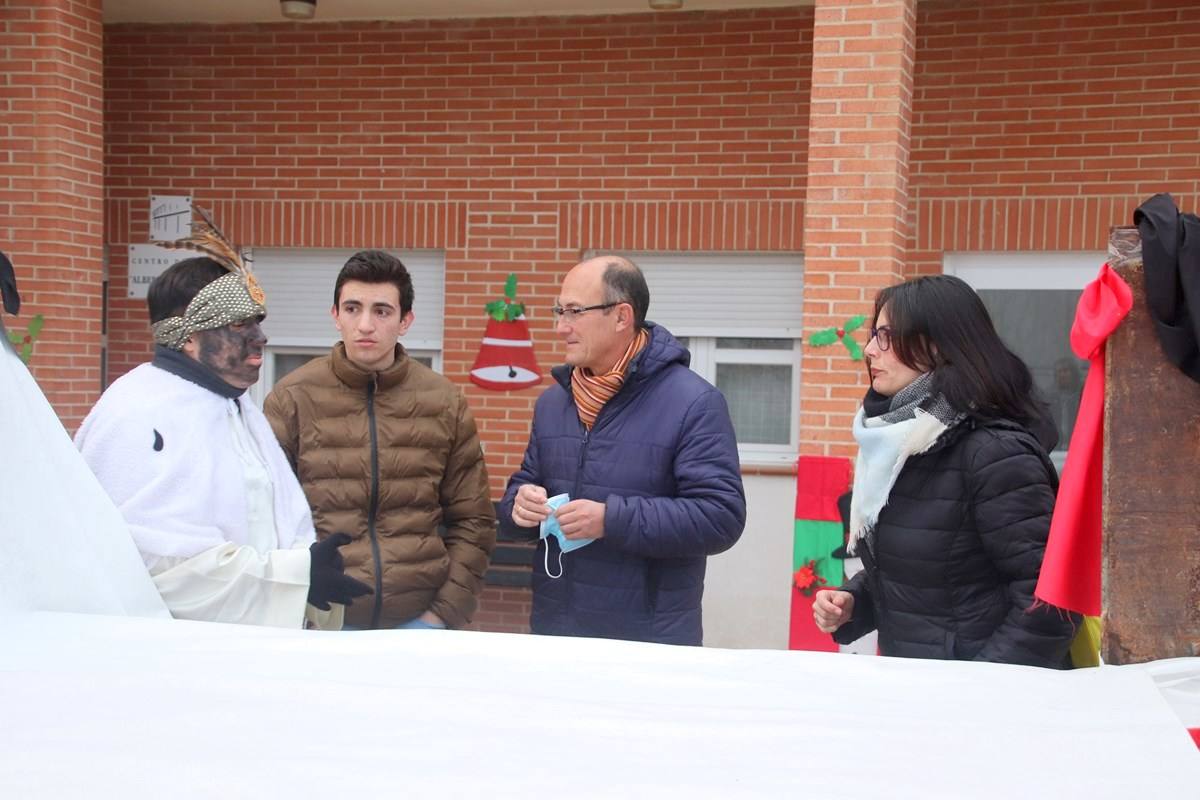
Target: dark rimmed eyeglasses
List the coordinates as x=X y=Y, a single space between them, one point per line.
x=882 y=335
x=573 y=313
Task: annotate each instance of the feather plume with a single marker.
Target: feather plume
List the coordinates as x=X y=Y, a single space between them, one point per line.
x=206 y=238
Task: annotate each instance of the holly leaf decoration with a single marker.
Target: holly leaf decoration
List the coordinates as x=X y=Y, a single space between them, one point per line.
x=829 y=336
x=508 y=309
x=496 y=310
x=854 y=323
x=823 y=338
x=23 y=342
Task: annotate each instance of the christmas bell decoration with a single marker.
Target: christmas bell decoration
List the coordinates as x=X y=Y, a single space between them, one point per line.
x=506 y=360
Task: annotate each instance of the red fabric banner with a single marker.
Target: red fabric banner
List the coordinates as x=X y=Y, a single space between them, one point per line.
x=820 y=480
x=1070 y=576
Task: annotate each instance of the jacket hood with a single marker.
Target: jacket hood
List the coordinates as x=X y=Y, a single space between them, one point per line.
x=662 y=351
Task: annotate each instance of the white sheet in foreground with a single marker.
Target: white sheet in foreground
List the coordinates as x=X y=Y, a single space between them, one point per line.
x=63 y=544
x=129 y=708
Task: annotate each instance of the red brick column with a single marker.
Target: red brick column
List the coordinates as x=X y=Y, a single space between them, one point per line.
x=51 y=175
x=855 y=228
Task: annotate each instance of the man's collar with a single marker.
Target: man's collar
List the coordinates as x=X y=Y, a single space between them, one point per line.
x=188 y=368
x=357 y=377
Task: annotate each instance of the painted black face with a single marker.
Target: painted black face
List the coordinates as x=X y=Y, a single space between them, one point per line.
x=234 y=351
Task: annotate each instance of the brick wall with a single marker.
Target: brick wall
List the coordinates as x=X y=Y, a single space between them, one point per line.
x=51 y=189
x=512 y=144
x=856 y=229
x=503 y=610
x=1035 y=126
x=1038 y=125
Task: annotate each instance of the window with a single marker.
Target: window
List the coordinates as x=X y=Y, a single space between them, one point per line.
x=299 y=286
x=739 y=315
x=1031 y=298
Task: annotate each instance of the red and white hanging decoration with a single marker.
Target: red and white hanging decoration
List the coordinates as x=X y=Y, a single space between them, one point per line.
x=506 y=360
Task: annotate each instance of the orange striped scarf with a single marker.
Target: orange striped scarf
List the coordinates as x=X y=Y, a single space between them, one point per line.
x=592 y=391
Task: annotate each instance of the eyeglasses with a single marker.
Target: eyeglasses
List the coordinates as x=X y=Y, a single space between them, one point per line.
x=882 y=335
x=573 y=313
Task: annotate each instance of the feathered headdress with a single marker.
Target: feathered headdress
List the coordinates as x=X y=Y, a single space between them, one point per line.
x=229 y=299
x=206 y=238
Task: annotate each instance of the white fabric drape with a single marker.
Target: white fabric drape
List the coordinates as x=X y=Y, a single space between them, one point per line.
x=63 y=545
x=125 y=708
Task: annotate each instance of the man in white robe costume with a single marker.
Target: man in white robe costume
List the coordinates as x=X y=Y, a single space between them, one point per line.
x=216 y=513
x=209 y=497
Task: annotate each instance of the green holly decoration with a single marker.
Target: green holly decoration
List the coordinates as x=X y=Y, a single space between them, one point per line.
x=24 y=342
x=508 y=309
x=831 y=335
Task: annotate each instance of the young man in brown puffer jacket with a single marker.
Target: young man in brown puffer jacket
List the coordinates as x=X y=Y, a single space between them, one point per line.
x=386 y=450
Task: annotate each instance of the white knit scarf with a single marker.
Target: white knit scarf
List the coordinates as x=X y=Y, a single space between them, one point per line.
x=913 y=422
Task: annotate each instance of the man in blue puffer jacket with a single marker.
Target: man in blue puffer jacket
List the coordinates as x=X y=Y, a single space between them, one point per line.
x=645 y=450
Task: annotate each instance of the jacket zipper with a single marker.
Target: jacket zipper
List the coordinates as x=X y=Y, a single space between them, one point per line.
x=373 y=509
x=582 y=460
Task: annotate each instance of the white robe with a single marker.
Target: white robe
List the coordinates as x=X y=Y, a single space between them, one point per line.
x=169 y=454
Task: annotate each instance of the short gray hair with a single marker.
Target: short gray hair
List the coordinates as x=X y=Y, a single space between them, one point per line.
x=625 y=283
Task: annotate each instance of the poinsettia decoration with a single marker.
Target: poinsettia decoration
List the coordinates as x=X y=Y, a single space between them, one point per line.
x=508 y=309
x=23 y=342
x=833 y=335
x=807 y=580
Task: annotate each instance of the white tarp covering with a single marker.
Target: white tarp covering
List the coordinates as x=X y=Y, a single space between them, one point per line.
x=130 y=708
x=63 y=544
x=104 y=705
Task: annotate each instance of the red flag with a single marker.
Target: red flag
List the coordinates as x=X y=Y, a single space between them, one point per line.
x=1070 y=576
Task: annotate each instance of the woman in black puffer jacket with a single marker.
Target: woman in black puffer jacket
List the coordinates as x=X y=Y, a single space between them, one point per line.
x=953 y=490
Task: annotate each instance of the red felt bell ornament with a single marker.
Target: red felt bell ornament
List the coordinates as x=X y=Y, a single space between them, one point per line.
x=506 y=360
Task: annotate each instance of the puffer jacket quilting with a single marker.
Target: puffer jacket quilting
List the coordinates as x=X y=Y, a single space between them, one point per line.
x=430 y=471
x=663 y=459
x=956 y=553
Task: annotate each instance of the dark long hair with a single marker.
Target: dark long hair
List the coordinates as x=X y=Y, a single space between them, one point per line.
x=939 y=323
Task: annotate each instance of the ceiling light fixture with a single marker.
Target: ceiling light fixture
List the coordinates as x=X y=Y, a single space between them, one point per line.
x=298 y=9
x=666 y=5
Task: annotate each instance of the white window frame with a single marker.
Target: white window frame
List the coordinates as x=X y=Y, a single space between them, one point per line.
x=703 y=331
x=1027 y=271
x=705 y=358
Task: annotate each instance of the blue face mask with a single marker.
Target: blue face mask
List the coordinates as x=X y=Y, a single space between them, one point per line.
x=549 y=527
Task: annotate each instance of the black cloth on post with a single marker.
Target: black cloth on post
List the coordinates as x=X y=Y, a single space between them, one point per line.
x=1171 y=255
x=8 y=286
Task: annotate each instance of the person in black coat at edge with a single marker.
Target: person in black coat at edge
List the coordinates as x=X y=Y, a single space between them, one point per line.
x=953 y=490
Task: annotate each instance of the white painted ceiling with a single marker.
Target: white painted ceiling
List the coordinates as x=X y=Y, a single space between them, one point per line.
x=216 y=11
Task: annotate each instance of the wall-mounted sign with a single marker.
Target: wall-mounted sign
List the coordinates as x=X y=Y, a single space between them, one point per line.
x=170 y=217
x=147 y=262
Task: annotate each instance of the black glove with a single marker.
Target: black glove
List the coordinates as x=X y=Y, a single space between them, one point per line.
x=327 y=583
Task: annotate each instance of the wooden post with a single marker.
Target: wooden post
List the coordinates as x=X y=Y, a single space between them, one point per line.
x=1151 y=547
